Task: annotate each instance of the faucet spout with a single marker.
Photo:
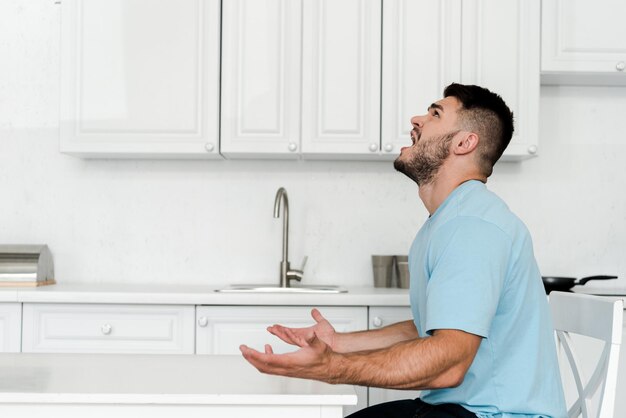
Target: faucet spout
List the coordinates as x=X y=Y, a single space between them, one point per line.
x=281 y=196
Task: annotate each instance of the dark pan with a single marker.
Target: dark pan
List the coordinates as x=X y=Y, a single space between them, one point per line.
x=564 y=284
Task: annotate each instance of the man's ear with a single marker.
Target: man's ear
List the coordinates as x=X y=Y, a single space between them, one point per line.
x=466 y=143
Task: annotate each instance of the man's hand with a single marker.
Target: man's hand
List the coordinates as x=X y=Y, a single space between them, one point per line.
x=311 y=361
x=301 y=337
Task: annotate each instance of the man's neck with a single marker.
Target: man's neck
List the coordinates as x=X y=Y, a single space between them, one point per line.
x=434 y=193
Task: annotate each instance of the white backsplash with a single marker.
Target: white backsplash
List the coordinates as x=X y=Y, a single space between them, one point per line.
x=210 y=222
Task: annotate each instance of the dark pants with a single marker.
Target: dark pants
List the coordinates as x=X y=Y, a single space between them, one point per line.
x=413 y=408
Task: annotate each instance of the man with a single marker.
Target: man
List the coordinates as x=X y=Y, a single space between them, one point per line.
x=481 y=340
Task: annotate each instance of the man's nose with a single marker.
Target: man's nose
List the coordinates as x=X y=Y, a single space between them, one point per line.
x=417 y=121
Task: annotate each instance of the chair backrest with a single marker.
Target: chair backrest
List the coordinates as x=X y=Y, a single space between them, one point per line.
x=601 y=318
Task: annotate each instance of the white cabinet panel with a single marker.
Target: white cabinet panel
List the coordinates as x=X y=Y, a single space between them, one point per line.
x=94 y=328
x=381 y=317
x=10 y=327
x=341 y=77
x=261 y=78
x=414 y=72
x=583 y=37
x=222 y=329
x=139 y=78
x=500 y=51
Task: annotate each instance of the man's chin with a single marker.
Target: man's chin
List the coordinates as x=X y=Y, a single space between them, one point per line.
x=403 y=167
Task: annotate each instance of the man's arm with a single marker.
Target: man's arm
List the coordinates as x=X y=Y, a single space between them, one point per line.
x=439 y=361
x=347 y=342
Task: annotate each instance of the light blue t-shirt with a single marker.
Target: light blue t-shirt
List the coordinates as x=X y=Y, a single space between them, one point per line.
x=473 y=269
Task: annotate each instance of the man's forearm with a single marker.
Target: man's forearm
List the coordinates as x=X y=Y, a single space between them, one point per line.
x=375 y=339
x=421 y=363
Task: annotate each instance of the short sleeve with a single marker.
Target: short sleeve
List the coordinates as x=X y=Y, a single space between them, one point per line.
x=468 y=261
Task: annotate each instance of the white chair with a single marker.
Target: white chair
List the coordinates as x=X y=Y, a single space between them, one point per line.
x=600 y=318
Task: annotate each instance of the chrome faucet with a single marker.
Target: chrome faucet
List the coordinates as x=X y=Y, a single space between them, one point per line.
x=286 y=274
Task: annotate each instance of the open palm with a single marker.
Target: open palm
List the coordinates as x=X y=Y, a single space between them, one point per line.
x=301 y=337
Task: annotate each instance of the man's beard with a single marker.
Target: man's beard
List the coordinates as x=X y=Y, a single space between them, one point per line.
x=429 y=157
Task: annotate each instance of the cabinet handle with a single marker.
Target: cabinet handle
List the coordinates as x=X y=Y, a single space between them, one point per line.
x=377 y=322
x=293 y=146
x=106 y=329
x=620 y=66
x=203 y=321
x=373 y=147
x=388 y=147
x=532 y=149
x=209 y=147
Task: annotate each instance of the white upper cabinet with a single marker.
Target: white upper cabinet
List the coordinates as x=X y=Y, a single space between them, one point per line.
x=421 y=55
x=261 y=59
x=341 y=78
x=140 y=78
x=583 y=41
x=331 y=79
x=500 y=51
x=301 y=78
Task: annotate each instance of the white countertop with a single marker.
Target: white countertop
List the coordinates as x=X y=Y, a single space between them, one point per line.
x=155 y=379
x=198 y=295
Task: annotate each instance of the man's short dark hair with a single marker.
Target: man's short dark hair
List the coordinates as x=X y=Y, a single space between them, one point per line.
x=484 y=113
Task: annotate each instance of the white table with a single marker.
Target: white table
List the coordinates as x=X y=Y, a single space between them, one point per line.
x=124 y=385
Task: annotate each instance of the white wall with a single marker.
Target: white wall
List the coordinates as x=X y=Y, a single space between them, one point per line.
x=210 y=222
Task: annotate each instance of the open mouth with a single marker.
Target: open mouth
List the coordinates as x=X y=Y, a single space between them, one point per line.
x=415 y=136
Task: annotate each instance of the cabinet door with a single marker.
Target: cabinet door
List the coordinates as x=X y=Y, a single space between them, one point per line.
x=341 y=78
x=261 y=55
x=500 y=51
x=415 y=71
x=10 y=327
x=579 y=36
x=222 y=329
x=94 y=328
x=381 y=317
x=140 y=78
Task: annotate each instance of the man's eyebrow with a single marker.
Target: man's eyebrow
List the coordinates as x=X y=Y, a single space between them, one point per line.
x=436 y=106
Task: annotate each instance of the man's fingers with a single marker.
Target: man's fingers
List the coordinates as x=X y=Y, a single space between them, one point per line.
x=317 y=316
x=297 y=339
x=268 y=363
x=281 y=332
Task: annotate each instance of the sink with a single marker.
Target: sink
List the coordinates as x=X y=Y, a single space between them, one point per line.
x=254 y=288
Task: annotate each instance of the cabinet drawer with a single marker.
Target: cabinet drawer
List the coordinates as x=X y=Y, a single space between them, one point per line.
x=81 y=328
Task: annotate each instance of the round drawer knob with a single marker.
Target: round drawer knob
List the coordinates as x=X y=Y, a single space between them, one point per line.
x=388 y=147
x=373 y=147
x=293 y=146
x=532 y=149
x=210 y=147
x=106 y=329
x=203 y=321
x=377 y=322
x=620 y=66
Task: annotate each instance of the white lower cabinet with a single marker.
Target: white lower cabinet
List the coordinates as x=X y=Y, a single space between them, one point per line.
x=222 y=329
x=381 y=316
x=108 y=328
x=10 y=327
